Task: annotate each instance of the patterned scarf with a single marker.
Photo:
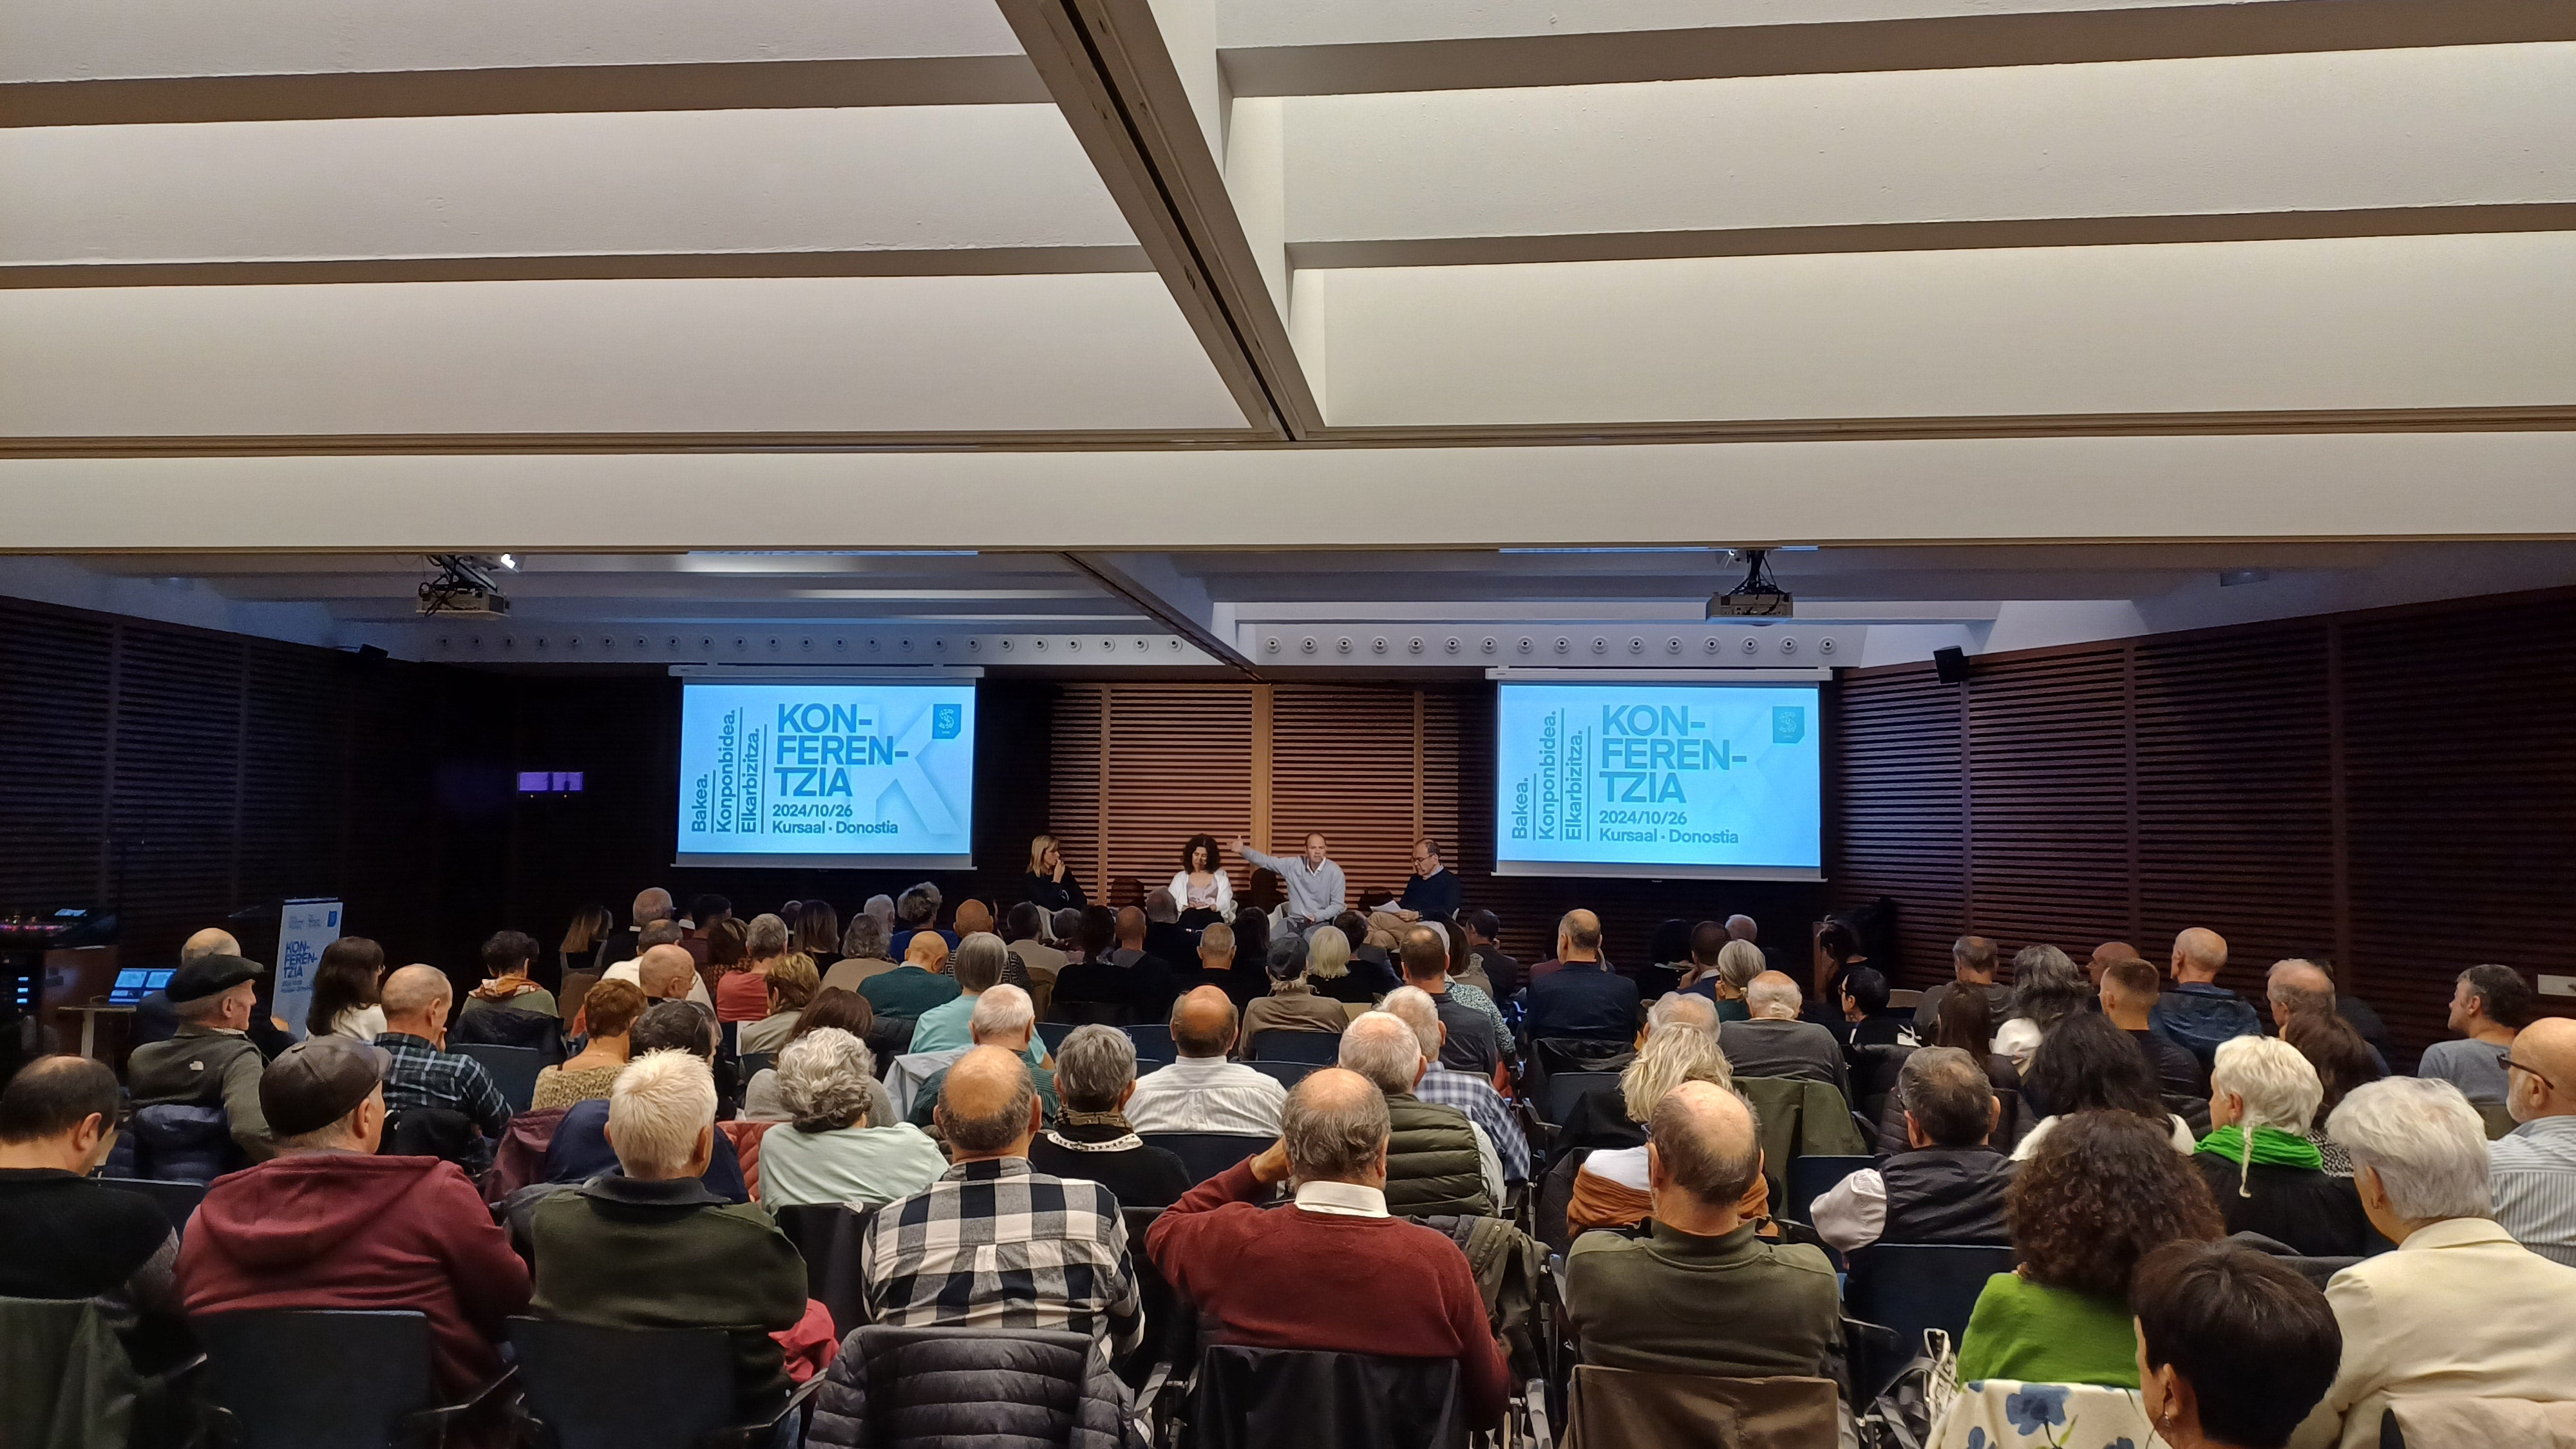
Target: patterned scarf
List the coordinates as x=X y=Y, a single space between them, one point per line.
x=1126 y=1141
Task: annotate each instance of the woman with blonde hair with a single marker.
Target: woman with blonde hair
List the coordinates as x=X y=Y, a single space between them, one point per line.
x=585 y=940
x=1738 y=962
x=1610 y=1187
x=2267 y=1176
x=1050 y=883
x=1330 y=969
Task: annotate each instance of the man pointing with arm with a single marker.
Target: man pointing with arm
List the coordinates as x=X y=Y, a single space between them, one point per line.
x=1315 y=889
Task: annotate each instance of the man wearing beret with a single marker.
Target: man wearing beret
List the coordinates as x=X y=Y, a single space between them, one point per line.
x=211 y=1062
x=329 y=1224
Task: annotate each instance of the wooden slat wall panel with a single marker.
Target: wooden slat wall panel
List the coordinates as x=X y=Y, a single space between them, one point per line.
x=2235 y=797
x=1895 y=817
x=1180 y=764
x=1445 y=801
x=1342 y=762
x=54 y=734
x=1073 y=798
x=2048 y=801
x=176 y=784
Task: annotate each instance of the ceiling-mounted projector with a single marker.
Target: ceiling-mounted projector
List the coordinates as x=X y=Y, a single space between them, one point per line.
x=1758 y=597
x=464 y=589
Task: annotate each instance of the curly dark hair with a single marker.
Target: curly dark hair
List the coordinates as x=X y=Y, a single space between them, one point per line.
x=2087 y=1064
x=1192 y=846
x=2101 y=1191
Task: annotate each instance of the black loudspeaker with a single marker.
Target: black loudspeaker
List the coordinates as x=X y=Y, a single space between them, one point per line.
x=1951 y=665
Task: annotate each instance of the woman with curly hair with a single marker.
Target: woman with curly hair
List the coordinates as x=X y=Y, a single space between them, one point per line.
x=2104 y=1190
x=829 y=1151
x=1201 y=887
x=2089 y=1065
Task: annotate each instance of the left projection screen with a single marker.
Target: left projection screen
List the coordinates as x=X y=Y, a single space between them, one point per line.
x=830 y=774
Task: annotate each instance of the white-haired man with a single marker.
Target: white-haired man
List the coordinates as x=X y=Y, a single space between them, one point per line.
x=1003 y=1017
x=1444 y=1086
x=978 y=966
x=2460 y=1309
x=1775 y=1043
x=1437 y=1162
x=649 y=1247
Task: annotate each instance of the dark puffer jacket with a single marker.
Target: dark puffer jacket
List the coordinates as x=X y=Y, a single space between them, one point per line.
x=1431 y=1161
x=949 y=1388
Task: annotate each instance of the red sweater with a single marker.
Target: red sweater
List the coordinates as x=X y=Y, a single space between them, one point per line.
x=1290 y=1278
x=742 y=996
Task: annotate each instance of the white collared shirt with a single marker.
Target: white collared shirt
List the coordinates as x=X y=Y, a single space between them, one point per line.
x=1342 y=1199
x=1207 y=1094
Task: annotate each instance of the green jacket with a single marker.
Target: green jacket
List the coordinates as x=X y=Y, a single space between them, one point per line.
x=1432 y=1166
x=622 y=1253
x=205 y=1067
x=1676 y=1303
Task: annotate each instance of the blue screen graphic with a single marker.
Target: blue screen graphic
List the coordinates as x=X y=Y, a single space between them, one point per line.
x=1659 y=780
x=862 y=774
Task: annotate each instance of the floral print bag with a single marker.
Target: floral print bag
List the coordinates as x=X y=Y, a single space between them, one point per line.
x=2010 y=1414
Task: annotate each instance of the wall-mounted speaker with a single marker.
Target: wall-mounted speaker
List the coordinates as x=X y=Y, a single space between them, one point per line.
x=1951 y=664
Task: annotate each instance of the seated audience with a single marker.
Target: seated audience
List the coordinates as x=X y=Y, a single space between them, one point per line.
x=973 y=917
x=1004 y=1017
x=2089 y=1065
x=1582 y=998
x=2047 y=988
x=345 y=982
x=2265 y=1174
x=2297 y=985
x=1471 y=1044
x=1336 y=1271
x=1702 y=1294
x=211 y=1062
x=1699 y=967
x=1973 y=963
x=791 y=982
x=1024 y=930
x=2533 y=1167
x=1437 y=1160
x=815 y=934
x=580 y=1150
x=1865 y=1021
x=920 y=984
x=1611 y=1188
x=2234 y=1347
x=1964 y=1023
x=329 y=1224
x=831 y=1150
x=742 y=987
x=1738 y=962
x=425 y=1073
x=1773 y=1042
x=2199 y=1013
x=1202 y=1091
x=1329 y=969
x=1095 y=1074
x=915 y=911
x=1497 y=974
x=69 y=1236
x=652 y=905
x=2490 y=1005
x=843 y=1010
x=1948 y=1186
x=2343 y=1061
x=2102 y=1191
x=648 y=1247
x=507 y=959
x=673 y=974
x=929 y=1259
x=1215 y=956
x=1122 y=973
x=1600 y=1117
x=2460 y=1309
x=2129 y=992
x=610 y=1009
x=978 y=967
x=864 y=953
x=1468 y=986
x=1166 y=940
x=1466 y=1091
x=1292 y=1004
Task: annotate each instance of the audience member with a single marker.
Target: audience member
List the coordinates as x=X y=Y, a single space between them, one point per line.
x=580 y=1150
x=1118 y=971
x=1336 y=971
x=1316 y=891
x=2129 y=991
x=1964 y=1023
x=1948 y=1186
x=2533 y=1167
x=1024 y=929
x=842 y=1010
x=585 y=940
x=978 y=968
x=670 y=976
x=1699 y=968
x=212 y=1061
x=1973 y=963
x=1437 y=1160
x=1292 y=1004
x=1165 y=938
x=973 y=917
x=790 y=982
x=2102 y=1191
x=919 y=985
x=329 y=1224
x=2490 y=1005
x=2460 y=1309
x=2106 y=953
x=1095 y=1075
x=2234 y=1347
x=1470 y=1093
x=1775 y=1043
x=2363 y=1018
x=648 y=1247
x=70 y=1236
x=1336 y=1271
x=1471 y=1042
x=1738 y=962
x=651 y=904
x=425 y=1073
x=917 y=909
x=2265 y=1174
x=865 y=952
x=345 y=982
x=1202 y=1091
x=2090 y=1065
x=1612 y=1189
x=1865 y=1020
x=742 y=986
x=2198 y=1014
x=2298 y=985
x=705 y=910
x=1485 y=958
x=1702 y=1294
x=610 y=1008
x=1582 y=997
x=831 y=1150
x=508 y=957
x=1004 y=1017
x=2343 y=1061
x=2047 y=989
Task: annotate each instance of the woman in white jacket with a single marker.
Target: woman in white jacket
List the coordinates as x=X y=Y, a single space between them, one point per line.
x=1202 y=889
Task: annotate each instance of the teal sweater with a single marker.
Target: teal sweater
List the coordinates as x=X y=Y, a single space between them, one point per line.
x=2030 y=1331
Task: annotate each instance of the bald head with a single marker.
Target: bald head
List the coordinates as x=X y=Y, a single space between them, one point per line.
x=1131 y=928
x=1335 y=1127
x=988 y=1106
x=209 y=942
x=415 y=1000
x=2294 y=986
x=927 y=950
x=2105 y=954
x=1772 y=996
x=1578 y=937
x=1203 y=1023
x=2199 y=954
x=2548 y=1048
x=652 y=905
x=665 y=972
x=1703 y=1146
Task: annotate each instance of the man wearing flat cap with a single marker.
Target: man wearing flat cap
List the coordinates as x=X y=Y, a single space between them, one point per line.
x=328 y=1224
x=210 y=1063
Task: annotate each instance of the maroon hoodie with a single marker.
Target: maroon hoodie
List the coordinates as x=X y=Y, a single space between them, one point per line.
x=345 y=1230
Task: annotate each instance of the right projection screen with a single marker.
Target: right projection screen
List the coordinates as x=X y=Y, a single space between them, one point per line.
x=1662 y=780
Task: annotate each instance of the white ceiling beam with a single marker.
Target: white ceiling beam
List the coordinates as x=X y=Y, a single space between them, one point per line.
x=1165 y=594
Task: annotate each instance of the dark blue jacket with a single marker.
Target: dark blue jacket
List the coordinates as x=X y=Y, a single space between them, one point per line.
x=580 y=1152
x=2197 y=1017
x=1583 y=999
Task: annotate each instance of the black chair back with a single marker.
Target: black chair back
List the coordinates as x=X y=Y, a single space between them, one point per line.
x=1053 y=1034
x=1286 y=1074
x=1171 y=1323
x=625 y=1388
x=1279 y=1398
x=1812 y=1177
x=1555 y=1054
x=1154 y=1042
x=829 y=1236
x=177 y=1200
x=317 y=1379
x=890 y=1037
x=1094 y=1013
x=1909 y=1287
x=505 y=1026
x=1564 y=1089
x=1310 y=1048
x=513 y=1070
x=441 y=1132
x=1206 y=1154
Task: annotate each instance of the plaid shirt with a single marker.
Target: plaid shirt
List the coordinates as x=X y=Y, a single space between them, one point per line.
x=992 y=1244
x=1485 y=1107
x=424 y=1076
